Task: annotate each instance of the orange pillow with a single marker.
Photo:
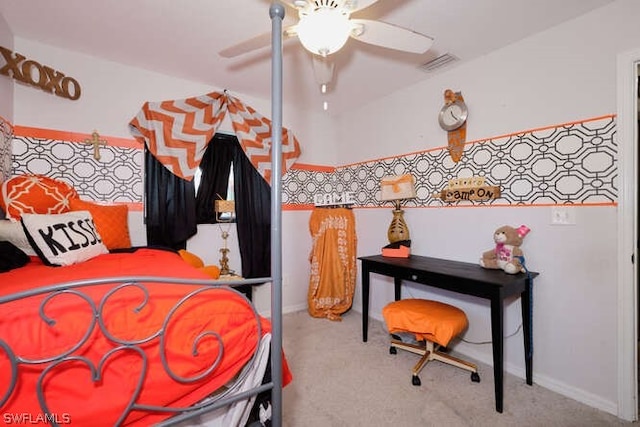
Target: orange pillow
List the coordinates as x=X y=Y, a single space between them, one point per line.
x=191 y=258
x=35 y=194
x=111 y=222
x=194 y=260
x=212 y=270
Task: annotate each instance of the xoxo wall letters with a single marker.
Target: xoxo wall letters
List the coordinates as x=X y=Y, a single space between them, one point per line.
x=35 y=74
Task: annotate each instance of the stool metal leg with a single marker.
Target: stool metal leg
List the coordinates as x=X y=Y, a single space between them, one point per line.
x=430 y=352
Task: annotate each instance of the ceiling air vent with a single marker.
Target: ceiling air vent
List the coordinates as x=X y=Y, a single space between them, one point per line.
x=440 y=62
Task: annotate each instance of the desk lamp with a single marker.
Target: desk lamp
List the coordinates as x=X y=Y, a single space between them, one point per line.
x=396 y=189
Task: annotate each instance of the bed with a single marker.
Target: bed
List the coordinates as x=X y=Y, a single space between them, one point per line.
x=133 y=350
x=138 y=336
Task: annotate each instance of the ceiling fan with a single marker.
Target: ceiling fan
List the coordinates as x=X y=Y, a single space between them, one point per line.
x=323 y=28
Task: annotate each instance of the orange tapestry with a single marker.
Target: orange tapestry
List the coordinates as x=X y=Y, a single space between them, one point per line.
x=333 y=262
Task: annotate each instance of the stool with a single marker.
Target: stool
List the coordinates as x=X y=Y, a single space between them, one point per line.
x=426 y=326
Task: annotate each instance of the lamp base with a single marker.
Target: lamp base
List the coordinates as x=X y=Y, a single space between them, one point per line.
x=398 y=229
x=224 y=262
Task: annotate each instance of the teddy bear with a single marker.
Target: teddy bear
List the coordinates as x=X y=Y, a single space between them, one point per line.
x=507 y=254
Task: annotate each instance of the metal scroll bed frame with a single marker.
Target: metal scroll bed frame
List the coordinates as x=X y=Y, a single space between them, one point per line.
x=223 y=397
x=230 y=394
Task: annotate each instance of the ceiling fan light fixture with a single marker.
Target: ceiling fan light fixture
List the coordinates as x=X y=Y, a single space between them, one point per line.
x=324 y=31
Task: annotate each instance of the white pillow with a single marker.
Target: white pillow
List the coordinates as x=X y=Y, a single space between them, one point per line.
x=13 y=232
x=63 y=239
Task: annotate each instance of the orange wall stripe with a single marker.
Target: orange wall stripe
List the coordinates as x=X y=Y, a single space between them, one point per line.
x=507 y=205
x=133 y=206
x=137 y=207
x=297 y=207
x=312 y=168
x=2 y=119
x=60 y=135
x=308 y=207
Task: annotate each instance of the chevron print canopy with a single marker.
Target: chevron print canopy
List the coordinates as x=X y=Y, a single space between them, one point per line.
x=177 y=132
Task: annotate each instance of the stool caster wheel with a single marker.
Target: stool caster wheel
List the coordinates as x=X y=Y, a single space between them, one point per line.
x=475 y=377
x=415 y=380
x=393 y=350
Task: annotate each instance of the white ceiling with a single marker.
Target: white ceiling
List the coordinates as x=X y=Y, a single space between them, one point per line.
x=182 y=38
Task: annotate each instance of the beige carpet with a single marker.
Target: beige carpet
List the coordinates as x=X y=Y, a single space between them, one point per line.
x=341 y=381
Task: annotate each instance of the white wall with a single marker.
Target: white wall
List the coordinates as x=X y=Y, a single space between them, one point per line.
x=6 y=83
x=113 y=93
x=565 y=74
x=6 y=104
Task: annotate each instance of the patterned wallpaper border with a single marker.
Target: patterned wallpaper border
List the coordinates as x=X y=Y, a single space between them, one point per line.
x=115 y=178
x=6 y=134
x=572 y=163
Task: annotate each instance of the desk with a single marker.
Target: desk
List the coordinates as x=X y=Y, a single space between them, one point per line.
x=464 y=278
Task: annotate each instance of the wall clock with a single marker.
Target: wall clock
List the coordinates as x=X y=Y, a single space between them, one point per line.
x=453 y=119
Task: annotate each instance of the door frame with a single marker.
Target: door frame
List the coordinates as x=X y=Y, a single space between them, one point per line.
x=627 y=130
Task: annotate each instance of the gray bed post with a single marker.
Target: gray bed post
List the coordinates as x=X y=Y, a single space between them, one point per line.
x=276 y=12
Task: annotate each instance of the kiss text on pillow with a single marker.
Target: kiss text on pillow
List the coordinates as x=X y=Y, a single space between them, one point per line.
x=76 y=234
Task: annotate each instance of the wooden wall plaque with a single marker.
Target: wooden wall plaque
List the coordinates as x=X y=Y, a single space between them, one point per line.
x=41 y=76
x=473 y=189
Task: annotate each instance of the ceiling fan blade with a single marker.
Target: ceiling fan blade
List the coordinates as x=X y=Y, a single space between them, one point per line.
x=390 y=36
x=348 y=5
x=356 y=5
x=254 y=43
x=323 y=69
x=294 y=4
x=288 y=3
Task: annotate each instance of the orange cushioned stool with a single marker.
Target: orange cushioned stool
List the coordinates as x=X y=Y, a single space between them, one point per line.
x=422 y=327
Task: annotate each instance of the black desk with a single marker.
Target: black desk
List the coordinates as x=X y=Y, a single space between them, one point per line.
x=464 y=278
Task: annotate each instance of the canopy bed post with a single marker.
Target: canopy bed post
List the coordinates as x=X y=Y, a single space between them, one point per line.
x=220 y=349
x=276 y=12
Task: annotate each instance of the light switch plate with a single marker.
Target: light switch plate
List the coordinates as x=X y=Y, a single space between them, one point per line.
x=563 y=215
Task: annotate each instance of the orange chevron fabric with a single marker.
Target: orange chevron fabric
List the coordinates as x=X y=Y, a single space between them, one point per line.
x=177 y=132
x=254 y=133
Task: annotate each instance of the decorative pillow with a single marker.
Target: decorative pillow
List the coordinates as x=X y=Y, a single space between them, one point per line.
x=212 y=270
x=13 y=232
x=194 y=260
x=191 y=258
x=36 y=194
x=111 y=221
x=63 y=239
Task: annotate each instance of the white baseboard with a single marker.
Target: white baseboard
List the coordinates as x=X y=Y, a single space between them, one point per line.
x=285 y=310
x=547 y=382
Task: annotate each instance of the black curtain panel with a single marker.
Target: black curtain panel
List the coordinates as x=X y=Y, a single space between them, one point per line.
x=170 y=212
x=252 y=201
x=253 y=217
x=215 y=167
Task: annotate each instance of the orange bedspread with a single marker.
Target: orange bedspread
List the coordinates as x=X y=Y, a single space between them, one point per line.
x=213 y=319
